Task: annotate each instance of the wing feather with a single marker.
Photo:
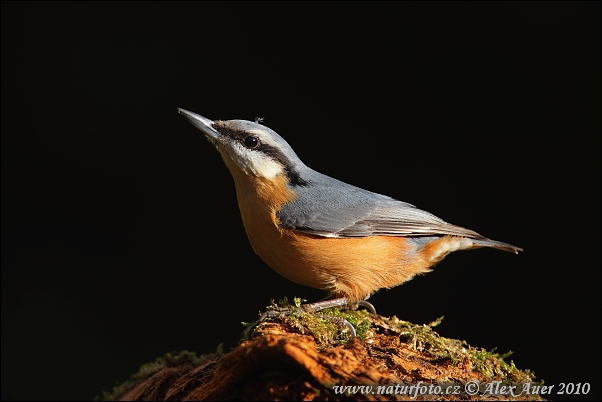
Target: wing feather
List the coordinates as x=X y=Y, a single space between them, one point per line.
x=331 y=208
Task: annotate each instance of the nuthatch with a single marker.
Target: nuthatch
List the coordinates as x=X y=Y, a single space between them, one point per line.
x=320 y=232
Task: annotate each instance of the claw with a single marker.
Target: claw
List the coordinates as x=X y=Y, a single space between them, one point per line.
x=369 y=306
x=341 y=322
x=341 y=302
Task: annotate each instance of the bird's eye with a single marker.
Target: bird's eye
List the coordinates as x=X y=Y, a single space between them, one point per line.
x=251 y=142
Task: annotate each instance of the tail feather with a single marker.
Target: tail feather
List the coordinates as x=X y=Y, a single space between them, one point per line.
x=496 y=244
x=435 y=249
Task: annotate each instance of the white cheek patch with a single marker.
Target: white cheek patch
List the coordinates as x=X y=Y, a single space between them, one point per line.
x=255 y=163
x=264 y=166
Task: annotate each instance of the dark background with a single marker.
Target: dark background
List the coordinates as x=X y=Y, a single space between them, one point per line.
x=121 y=237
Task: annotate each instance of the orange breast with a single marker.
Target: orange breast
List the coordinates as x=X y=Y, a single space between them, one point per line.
x=350 y=267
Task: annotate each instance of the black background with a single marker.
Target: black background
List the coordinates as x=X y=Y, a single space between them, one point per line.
x=121 y=237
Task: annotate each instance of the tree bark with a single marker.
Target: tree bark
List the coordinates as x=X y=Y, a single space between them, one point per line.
x=304 y=357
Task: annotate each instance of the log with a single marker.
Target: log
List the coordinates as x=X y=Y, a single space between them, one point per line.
x=302 y=356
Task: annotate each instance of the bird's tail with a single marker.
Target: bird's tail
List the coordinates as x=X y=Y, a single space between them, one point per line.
x=496 y=244
x=435 y=249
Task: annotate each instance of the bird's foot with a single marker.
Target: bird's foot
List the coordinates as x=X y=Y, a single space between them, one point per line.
x=339 y=303
x=314 y=308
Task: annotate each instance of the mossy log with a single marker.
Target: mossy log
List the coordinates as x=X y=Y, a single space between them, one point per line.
x=301 y=356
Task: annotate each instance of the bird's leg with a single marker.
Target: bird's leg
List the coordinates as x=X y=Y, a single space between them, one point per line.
x=340 y=302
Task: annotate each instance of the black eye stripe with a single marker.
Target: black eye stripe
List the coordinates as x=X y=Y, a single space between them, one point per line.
x=240 y=136
x=269 y=150
x=237 y=135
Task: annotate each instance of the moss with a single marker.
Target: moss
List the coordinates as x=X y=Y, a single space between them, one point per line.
x=419 y=337
x=411 y=351
x=145 y=371
x=487 y=362
x=325 y=331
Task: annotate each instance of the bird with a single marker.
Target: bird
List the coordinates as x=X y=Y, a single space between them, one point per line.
x=323 y=233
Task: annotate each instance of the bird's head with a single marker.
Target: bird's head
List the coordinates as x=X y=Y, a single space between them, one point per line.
x=250 y=147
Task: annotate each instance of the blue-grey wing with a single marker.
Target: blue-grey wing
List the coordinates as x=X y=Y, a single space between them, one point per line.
x=331 y=208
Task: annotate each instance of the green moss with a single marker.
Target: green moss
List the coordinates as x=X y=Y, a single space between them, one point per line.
x=489 y=363
x=360 y=319
x=494 y=366
x=172 y=359
x=325 y=331
x=420 y=337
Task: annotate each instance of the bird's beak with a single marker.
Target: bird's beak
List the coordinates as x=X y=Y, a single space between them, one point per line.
x=202 y=123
